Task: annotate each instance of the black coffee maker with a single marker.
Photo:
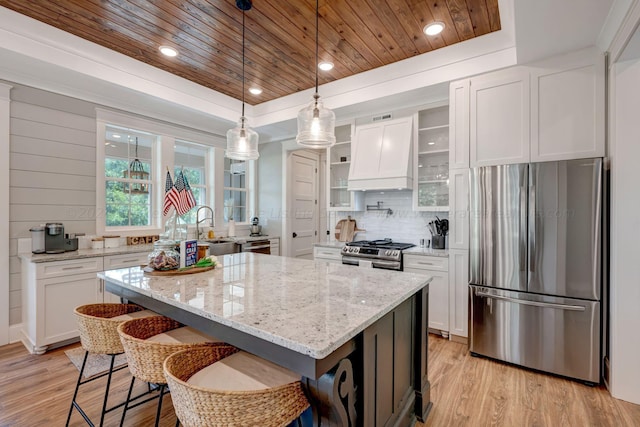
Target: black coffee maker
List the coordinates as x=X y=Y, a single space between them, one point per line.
x=54 y=241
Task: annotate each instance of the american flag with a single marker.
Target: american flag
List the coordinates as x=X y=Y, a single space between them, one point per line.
x=170 y=195
x=185 y=200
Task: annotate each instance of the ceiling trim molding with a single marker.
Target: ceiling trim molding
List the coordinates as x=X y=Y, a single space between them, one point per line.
x=625 y=27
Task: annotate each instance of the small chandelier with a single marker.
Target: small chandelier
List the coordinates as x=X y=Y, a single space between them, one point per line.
x=242 y=141
x=136 y=171
x=316 y=124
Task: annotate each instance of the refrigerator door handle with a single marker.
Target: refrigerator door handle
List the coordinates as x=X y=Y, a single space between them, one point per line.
x=533 y=303
x=523 y=228
x=533 y=219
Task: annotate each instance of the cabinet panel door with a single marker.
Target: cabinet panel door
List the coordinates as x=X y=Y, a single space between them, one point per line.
x=60 y=296
x=438 y=297
x=396 y=147
x=366 y=152
x=459 y=124
x=499 y=118
x=459 y=292
x=567 y=107
x=459 y=209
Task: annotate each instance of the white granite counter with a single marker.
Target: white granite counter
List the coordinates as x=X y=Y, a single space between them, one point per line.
x=84 y=253
x=311 y=308
x=426 y=251
x=333 y=244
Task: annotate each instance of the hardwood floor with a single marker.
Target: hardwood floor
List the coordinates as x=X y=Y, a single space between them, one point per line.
x=466 y=391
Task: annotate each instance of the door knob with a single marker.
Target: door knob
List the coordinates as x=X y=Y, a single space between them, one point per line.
x=295 y=234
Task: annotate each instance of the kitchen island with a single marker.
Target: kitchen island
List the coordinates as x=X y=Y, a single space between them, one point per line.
x=356 y=336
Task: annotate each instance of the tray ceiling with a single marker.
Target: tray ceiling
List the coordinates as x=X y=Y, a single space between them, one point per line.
x=280 y=35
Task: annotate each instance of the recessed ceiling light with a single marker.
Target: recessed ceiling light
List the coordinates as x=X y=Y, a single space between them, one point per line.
x=255 y=90
x=434 y=28
x=116 y=136
x=168 y=51
x=431 y=143
x=325 y=65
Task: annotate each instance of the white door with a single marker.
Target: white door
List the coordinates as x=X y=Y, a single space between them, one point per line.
x=304 y=206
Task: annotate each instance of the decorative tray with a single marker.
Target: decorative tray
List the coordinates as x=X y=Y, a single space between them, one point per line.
x=177 y=272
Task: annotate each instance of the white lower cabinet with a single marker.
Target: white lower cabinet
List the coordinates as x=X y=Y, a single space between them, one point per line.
x=438 y=288
x=323 y=253
x=459 y=292
x=50 y=292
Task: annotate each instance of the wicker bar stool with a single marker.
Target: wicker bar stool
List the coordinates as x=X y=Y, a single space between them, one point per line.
x=98 y=328
x=210 y=390
x=147 y=343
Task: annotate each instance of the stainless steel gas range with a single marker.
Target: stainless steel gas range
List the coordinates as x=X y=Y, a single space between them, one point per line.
x=384 y=254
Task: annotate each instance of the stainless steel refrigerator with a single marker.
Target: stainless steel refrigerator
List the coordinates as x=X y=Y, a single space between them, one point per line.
x=535 y=265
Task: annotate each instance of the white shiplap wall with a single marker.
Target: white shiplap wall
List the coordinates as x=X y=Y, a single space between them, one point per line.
x=52 y=171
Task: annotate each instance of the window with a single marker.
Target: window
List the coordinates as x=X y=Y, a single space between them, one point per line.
x=191 y=159
x=130 y=193
x=127 y=170
x=235 y=190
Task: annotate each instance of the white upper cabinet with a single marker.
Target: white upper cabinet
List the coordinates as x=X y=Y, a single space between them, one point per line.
x=567 y=107
x=545 y=111
x=382 y=156
x=459 y=124
x=499 y=118
x=431 y=162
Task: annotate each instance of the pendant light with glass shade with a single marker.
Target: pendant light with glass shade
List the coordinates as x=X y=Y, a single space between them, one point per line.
x=242 y=141
x=316 y=124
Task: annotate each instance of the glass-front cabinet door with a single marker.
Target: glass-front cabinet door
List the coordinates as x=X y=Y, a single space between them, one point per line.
x=431 y=172
x=338 y=164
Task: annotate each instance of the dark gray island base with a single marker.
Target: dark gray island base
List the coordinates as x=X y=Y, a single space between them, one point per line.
x=372 y=372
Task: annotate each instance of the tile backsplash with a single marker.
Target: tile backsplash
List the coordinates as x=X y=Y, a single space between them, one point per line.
x=403 y=225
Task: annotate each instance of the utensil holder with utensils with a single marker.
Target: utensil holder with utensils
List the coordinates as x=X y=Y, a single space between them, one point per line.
x=439 y=229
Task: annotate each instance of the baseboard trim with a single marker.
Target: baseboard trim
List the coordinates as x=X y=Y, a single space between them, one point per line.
x=15 y=333
x=459 y=339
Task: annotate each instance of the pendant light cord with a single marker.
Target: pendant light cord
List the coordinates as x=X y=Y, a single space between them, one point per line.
x=316 y=64
x=243 y=12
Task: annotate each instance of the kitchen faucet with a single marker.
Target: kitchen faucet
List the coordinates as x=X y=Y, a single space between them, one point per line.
x=198 y=221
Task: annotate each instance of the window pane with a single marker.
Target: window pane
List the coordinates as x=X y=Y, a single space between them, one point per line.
x=235 y=203
x=191 y=159
x=125 y=209
x=117 y=215
x=128 y=160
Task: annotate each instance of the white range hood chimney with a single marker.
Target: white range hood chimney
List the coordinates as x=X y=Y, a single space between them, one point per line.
x=382 y=156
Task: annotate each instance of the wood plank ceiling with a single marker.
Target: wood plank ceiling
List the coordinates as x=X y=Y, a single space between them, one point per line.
x=355 y=36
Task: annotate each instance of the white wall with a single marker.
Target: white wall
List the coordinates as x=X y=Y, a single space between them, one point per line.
x=270 y=188
x=52 y=171
x=404 y=225
x=625 y=232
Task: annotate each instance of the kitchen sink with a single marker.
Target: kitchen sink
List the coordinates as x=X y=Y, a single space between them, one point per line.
x=221 y=247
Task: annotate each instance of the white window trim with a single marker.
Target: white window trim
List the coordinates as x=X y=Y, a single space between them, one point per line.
x=163 y=158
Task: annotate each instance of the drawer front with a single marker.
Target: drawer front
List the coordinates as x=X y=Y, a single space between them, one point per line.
x=66 y=268
x=327 y=253
x=433 y=263
x=112 y=262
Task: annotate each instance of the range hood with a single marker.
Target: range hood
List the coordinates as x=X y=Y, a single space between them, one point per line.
x=381 y=157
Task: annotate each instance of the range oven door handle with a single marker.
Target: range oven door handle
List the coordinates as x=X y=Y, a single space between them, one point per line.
x=255 y=247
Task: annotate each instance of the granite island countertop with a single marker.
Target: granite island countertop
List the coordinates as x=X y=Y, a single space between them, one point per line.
x=308 y=307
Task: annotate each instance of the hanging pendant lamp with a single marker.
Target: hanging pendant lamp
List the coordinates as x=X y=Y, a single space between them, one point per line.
x=242 y=141
x=136 y=171
x=316 y=124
